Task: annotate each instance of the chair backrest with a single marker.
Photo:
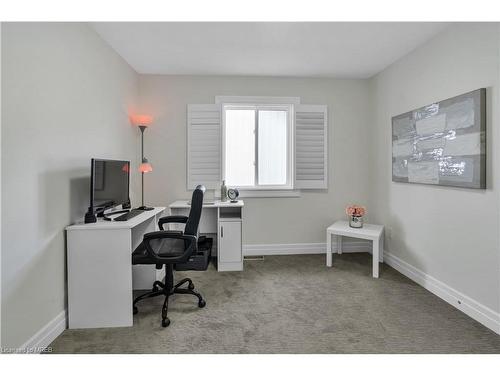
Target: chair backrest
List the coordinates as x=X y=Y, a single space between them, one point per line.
x=193 y=220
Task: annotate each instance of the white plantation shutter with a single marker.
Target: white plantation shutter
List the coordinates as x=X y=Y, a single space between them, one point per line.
x=311 y=147
x=204 y=146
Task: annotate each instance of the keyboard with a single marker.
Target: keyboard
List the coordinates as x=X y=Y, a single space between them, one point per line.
x=128 y=215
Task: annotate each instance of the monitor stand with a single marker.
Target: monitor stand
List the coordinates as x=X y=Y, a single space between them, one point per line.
x=90 y=216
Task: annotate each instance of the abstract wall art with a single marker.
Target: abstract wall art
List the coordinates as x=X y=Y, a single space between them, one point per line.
x=443 y=143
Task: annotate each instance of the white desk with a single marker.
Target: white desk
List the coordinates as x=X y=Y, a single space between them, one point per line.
x=100 y=272
x=224 y=220
x=370 y=232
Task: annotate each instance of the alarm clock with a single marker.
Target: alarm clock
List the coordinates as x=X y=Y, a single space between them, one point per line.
x=233 y=194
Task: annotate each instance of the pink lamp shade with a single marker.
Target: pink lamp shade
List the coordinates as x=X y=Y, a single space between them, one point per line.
x=145 y=166
x=141 y=120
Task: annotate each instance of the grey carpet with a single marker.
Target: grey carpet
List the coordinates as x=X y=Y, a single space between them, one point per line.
x=294 y=304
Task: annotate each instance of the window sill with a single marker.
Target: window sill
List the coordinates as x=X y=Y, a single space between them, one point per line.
x=269 y=193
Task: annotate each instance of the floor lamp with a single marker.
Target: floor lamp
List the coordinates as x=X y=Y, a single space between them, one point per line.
x=143 y=121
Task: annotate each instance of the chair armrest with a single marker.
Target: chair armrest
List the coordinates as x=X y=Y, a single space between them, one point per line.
x=179 y=232
x=172 y=219
x=191 y=247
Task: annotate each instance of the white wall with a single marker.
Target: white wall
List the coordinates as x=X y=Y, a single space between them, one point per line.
x=267 y=220
x=451 y=234
x=66 y=98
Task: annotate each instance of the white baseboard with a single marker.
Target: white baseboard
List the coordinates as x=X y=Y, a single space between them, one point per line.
x=42 y=339
x=304 y=248
x=467 y=305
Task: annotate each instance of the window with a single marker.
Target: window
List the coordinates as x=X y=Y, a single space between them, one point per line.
x=266 y=146
x=257 y=146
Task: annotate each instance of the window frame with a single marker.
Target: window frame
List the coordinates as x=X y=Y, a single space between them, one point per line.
x=258 y=105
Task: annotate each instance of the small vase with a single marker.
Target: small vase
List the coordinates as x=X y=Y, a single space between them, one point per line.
x=223 y=191
x=356 y=222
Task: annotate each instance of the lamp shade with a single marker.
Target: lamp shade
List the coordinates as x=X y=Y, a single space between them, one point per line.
x=141 y=120
x=145 y=166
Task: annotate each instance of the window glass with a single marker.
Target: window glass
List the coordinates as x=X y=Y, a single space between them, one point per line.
x=240 y=147
x=272 y=147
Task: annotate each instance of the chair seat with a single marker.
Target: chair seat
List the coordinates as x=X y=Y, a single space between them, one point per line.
x=165 y=247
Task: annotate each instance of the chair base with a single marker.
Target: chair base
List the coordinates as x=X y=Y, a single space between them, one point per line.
x=161 y=289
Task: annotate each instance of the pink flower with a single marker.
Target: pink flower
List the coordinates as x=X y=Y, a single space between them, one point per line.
x=355 y=210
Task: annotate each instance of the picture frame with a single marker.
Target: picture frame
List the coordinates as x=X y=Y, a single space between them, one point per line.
x=443 y=143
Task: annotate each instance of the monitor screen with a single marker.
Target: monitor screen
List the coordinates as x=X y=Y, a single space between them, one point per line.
x=110 y=182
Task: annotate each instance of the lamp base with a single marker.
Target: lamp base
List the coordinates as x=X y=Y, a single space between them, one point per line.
x=145 y=208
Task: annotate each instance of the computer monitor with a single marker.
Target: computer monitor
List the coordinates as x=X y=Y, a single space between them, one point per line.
x=109 y=186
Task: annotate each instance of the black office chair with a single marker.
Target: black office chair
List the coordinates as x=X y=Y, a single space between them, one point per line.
x=168 y=248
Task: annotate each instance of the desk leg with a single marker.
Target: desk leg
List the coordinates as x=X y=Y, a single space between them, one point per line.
x=339 y=244
x=328 y=249
x=375 y=256
x=381 y=249
x=100 y=278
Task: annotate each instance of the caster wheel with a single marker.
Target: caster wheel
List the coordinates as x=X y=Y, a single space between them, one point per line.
x=191 y=286
x=165 y=322
x=136 y=310
x=201 y=303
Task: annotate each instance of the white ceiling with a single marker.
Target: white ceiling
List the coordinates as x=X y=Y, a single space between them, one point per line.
x=341 y=50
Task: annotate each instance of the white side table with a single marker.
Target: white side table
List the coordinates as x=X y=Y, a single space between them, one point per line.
x=370 y=232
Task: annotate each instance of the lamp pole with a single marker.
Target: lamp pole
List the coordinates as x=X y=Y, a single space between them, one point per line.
x=142 y=127
x=145 y=167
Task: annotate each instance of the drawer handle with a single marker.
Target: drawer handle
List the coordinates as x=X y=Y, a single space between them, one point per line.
x=221 y=231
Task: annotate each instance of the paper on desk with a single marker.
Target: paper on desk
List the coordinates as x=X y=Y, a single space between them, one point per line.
x=431 y=125
x=402 y=147
x=423 y=172
x=460 y=115
x=466 y=144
